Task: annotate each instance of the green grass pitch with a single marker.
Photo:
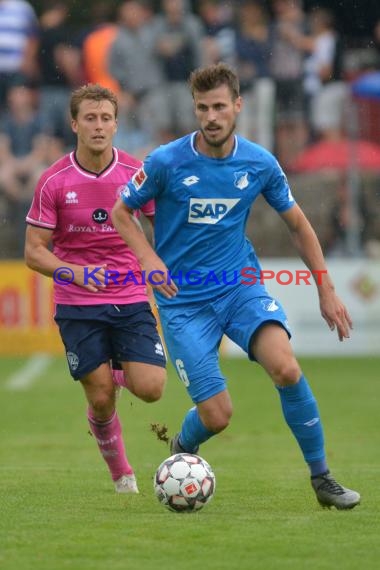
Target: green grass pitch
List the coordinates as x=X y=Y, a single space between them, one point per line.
x=58 y=509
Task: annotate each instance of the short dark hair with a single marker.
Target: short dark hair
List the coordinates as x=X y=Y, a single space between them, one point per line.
x=213 y=76
x=93 y=92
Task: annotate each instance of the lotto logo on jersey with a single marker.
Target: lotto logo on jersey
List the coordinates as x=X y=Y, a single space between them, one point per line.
x=139 y=178
x=209 y=210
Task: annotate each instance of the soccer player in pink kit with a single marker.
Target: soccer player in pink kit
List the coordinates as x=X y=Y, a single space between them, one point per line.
x=102 y=308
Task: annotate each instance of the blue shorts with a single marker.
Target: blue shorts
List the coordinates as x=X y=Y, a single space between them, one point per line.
x=194 y=332
x=95 y=334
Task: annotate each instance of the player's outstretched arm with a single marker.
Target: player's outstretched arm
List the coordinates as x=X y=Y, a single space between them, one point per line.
x=39 y=258
x=130 y=230
x=310 y=251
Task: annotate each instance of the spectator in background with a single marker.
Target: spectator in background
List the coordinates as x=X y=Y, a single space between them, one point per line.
x=133 y=65
x=323 y=68
x=341 y=220
x=96 y=45
x=376 y=40
x=60 y=69
x=97 y=41
x=287 y=71
x=24 y=153
x=18 y=42
x=254 y=44
x=178 y=48
x=219 y=41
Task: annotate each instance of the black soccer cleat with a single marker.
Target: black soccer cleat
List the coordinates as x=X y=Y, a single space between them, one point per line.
x=176 y=447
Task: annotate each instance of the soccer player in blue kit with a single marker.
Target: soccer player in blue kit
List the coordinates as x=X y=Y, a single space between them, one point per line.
x=204 y=185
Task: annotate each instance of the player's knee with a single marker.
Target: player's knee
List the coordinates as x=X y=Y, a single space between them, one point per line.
x=286 y=373
x=151 y=389
x=149 y=394
x=102 y=404
x=217 y=420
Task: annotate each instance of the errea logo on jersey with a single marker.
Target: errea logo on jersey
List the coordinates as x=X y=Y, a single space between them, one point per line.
x=209 y=210
x=71 y=198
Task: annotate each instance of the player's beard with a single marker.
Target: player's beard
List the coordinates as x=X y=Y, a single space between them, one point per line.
x=220 y=142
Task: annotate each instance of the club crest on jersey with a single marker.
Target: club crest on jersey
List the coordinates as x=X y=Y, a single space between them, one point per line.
x=100 y=215
x=139 y=178
x=125 y=192
x=121 y=190
x=290 y=196
x=209 y=210
x=241 y=180
x=270 y=306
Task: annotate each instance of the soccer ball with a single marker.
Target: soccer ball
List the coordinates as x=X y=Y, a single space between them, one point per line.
x=184 y=483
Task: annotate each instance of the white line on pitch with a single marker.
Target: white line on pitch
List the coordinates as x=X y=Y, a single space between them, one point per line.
x=28 y=374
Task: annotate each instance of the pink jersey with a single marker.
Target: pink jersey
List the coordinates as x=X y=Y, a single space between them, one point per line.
x=76 y=204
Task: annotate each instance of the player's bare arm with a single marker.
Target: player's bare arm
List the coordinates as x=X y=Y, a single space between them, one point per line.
x=39 y=258
x=125 y=223
x=309 y=249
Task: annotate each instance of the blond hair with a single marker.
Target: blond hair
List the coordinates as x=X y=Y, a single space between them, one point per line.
x=93 y=92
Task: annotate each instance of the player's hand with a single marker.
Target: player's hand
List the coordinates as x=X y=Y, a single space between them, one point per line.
x=158 y=276
x=336 y=315
x=90 y=277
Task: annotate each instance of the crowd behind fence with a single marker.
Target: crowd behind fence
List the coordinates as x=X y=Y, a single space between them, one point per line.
x=295 y=70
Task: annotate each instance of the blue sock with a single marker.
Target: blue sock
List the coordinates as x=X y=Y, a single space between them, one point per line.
x=193 y=431
x=301 y=414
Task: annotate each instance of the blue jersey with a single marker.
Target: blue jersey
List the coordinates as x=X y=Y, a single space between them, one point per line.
x=202 y=206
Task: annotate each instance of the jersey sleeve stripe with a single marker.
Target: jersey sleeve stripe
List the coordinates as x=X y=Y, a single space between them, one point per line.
x=39 y=224
x=43 y=188
x=129 y=165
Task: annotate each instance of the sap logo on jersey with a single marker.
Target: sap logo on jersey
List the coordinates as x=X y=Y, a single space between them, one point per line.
x=209 y=210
